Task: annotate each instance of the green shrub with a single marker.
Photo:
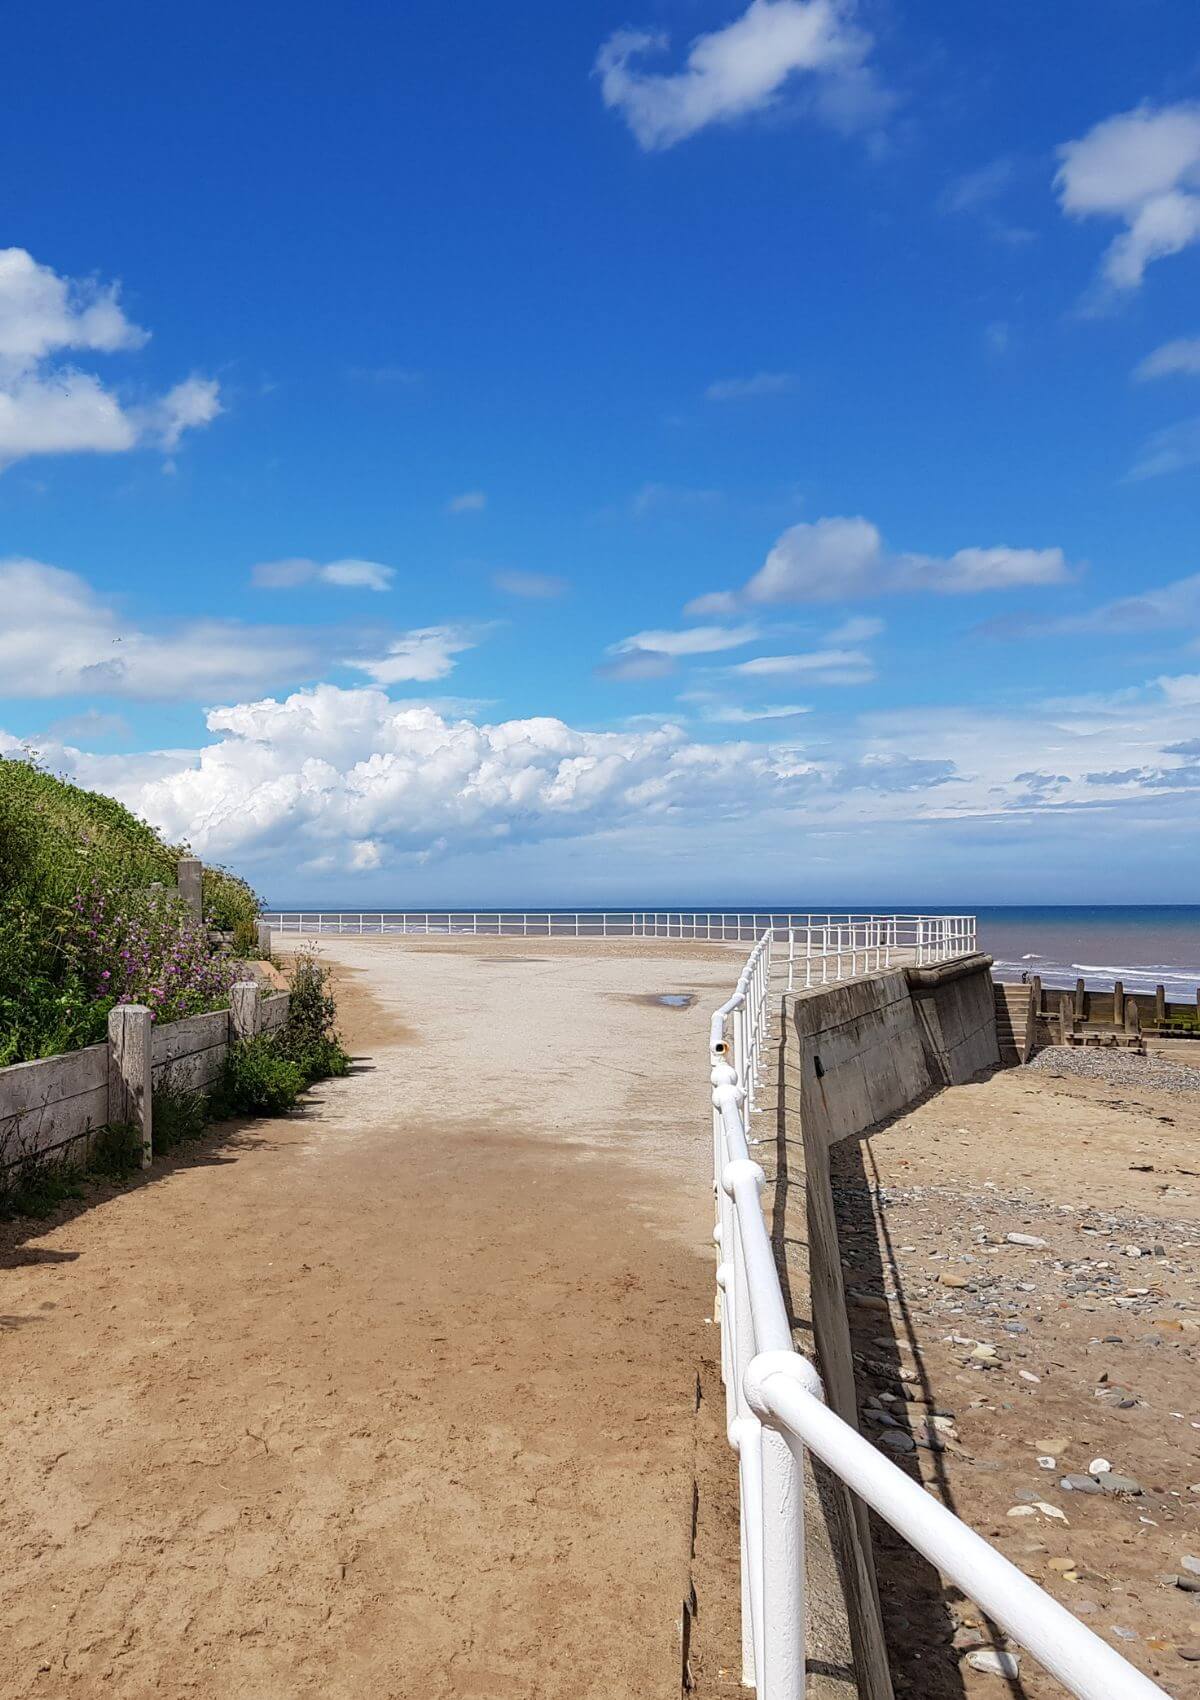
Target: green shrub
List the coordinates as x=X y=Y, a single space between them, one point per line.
x=309 y=1036
x=178 y=1115
x=116 y=1151
x=232 y=906
x=259 y=1080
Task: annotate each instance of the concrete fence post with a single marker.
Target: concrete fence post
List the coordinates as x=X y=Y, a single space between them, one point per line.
x=130 y=1088
x=264 y=937
x=245 y=1009
x=190 y=878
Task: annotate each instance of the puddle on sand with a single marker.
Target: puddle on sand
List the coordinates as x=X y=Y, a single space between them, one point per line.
x=663 y=1000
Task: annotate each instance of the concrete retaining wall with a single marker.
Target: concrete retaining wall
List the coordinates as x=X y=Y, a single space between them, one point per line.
x=853 y=1056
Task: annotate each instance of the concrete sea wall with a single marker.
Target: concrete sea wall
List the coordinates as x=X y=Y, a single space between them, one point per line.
x=854 y=1055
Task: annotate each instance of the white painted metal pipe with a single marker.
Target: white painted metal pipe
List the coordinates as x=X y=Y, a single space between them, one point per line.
x=1086 y=1666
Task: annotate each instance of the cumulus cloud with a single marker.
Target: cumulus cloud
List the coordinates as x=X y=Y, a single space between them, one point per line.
x=351 y=780
x=533 y=586
x=468 y=502
x=1178 y=358
x=59 y=637
x=744 y=68
x=746 y=389
x=844 y=559
x=1143 y=168
x=49 y=407
x=348 y=574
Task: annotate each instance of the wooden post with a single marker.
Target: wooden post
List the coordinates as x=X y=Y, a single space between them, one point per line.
x=1160 y=1006
x=130 y=1087
x=1080 y=1000
x=245 y=1009
x=1133 y=1022
x=264 y=937
x=1066 y=1015
x=1118 y=1004
x=1036 y=983
x=1031 y=1021
x=190 y=876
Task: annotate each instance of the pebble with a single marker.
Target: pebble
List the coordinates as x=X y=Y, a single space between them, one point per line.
x=1192 y=1654
x=1099 y=1467
x=994 y=1663
x=1080 y=1484
x=1122 y=1068
x=1190 y=1563
x=1030 y=1240
x=1118 y=1484
x=896 y=1440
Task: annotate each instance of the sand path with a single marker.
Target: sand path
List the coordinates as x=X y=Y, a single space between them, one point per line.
x=394 y=1397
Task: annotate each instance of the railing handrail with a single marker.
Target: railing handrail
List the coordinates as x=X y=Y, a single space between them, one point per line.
x=774 y=1409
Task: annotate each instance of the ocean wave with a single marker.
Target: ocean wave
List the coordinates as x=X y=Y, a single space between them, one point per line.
x=1143 y=972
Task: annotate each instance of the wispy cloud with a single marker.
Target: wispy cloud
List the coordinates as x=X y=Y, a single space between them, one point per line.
x=693 y=640
x=818 y=667
x=469 y=502
x=1170 y=450
x=1180 y=358
x=744 y=68
x=663 y=498
x=747 y=389
x=534 y=586
x=298 y=570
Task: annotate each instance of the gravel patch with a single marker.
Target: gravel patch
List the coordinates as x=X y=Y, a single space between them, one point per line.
x=1122 y=1068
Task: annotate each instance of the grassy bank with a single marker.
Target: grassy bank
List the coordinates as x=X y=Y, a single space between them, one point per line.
x=89 y=917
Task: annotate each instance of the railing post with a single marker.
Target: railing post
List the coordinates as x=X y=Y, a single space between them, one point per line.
x=130 y=1073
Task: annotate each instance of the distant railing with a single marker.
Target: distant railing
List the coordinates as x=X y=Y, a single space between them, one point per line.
x=774 y=1409
x=821 y=947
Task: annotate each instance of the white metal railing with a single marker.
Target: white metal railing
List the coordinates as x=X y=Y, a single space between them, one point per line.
x=774 y=1409
x=821 y=947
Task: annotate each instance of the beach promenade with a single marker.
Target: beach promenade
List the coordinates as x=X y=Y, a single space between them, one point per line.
x=396 y=1396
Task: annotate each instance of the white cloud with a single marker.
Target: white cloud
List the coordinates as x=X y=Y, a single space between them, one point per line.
x=736 y=714
x=1181 y=357
x=535 y=586
x=56 y=409
x=347 y=574
x=332 y=782
x=745 y=389
x=418 y=656
x=1170 y=450
x=718 y=602
x=469 y=502
x=695 y=640
x=860 y=628
x=59 y=637
x=1142 y=167
x=744 y=68
x=819 y=666
x=843 y=560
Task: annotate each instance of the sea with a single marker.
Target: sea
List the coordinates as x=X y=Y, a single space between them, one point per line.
x=1143 y=946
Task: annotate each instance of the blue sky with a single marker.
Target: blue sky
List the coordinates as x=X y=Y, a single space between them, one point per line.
x=662 y=452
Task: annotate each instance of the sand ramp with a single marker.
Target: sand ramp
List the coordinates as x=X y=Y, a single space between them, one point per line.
x=393 y=1398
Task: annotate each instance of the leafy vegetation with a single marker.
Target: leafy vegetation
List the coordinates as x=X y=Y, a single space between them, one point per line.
x=265 y=1075
x=89 y=918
